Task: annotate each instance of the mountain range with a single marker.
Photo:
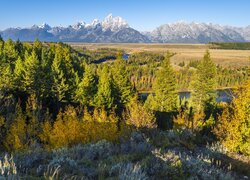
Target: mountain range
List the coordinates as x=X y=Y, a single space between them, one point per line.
x=117 y=30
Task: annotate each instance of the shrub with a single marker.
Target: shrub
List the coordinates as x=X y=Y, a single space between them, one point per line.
x=8 y=167
x=131 y=171
x=233 y=126
x=139 y=116
x=16 y=134
x=100 y=150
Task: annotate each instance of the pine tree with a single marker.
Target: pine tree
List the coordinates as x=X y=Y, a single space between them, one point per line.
x=86 y=89
x=104 y=96
x=19 y=74
x=9 y=51
x=19 y=48
x=205 y=84
x=122 y=82
x=64 y=70
x=60 y=86
x=46 y=75
x=31 y=73
x=1 y=49
x=164 y=87
x=6 y=78
x=37 y=47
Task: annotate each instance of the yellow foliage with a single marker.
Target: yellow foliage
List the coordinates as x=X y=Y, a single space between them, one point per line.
x=69 y=129
x=66 y=130
x=181 y=122
x=233 y=128
x=139 y=116
x=2 y=121
x=101 y=126
x=187 y=119
x=16 y=135
x=45 y=135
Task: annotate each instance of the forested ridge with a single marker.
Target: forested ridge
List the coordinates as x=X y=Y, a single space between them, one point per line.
x=55 y=98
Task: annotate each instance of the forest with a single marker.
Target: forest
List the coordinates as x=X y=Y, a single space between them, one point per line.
x=230 y=45
x=70 y=114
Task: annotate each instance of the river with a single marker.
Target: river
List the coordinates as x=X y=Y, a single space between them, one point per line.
x=224 y=95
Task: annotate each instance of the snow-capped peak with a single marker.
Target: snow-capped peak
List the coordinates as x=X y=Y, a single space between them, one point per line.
x=95 y=22
x=79 y=25
x=114 y=23
x=44 y=26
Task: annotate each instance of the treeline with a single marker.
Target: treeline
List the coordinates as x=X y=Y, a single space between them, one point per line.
x=53 y=96
x=142 y=66
x=142 y=69
x=230 y=45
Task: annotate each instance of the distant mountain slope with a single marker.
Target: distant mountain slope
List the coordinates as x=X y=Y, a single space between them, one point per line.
x=182 y=32
x=111 y=29
x=117 y=30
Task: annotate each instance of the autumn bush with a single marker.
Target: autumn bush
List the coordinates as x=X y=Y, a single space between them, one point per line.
x=233 y=127
x=139 y=116
x=70 y=129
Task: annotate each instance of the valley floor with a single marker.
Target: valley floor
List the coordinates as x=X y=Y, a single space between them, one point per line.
x=184 y=52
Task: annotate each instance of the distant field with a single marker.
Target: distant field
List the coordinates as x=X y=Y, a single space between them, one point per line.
x=231 y=45
x=184 y=52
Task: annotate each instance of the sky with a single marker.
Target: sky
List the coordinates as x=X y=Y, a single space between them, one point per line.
x=143 y=15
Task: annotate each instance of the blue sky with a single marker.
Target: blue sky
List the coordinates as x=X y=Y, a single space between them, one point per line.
x=140 y=14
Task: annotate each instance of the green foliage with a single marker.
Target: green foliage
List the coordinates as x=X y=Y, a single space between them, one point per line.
x=122 y=82
x=10 y=53
x=6 y=80
x=205 y=84
x=31 y=72
x=19 y=74
x=164 y=87
x=182 y=64
x=60 y=83
x=44 y=87
x=105 y=94
x=230 y=45
x=87 y=88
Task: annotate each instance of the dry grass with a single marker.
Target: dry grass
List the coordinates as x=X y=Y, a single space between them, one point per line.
x=184 y=52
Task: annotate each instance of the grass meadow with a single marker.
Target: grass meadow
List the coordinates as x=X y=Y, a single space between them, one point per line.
x=184 y=52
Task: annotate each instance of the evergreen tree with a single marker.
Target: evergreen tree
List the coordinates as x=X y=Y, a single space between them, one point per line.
x=37 y=47
x=6 y=78
x=19 y=48
x=104 y=96
x=60 y=86
x=46 y=76
x=19 y=74
x=86 y=89
x=9 y=51
x=205 y=84
x=122 y=82
x=1 y=48
x=164 y=87
x=31 y=73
